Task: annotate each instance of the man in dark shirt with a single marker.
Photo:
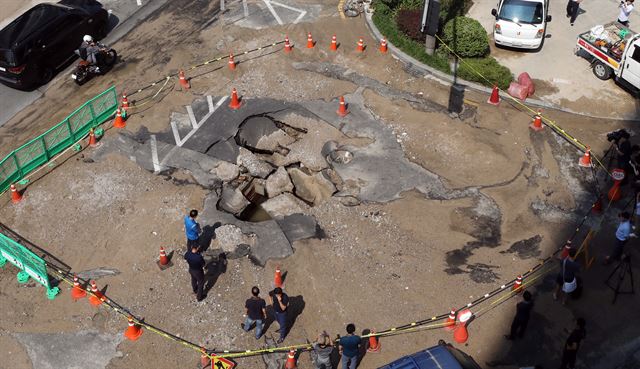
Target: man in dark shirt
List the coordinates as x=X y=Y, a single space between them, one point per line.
x=566 y=281
x=256 y=312
x=572 y=345
x=280 y=302
x=350 y=348
x=196 y=269
x=520 y=321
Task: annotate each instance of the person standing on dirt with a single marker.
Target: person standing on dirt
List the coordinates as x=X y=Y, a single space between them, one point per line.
x=280 y=302
x=572 y=345
x=192 y=229
x=323 y=347
x=256 y=312
x=350 y=348
x=196 y=270
x=623 y=233
x=572 y=10
x=567 y=279
x=520 y=321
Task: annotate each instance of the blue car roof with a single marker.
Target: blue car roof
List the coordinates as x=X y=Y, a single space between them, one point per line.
x=437 y=357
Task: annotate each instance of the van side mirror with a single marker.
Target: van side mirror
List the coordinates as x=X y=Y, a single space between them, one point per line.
x=494 y=12
x=548 y=18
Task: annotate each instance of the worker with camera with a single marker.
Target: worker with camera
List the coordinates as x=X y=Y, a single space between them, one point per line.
x=626 y=6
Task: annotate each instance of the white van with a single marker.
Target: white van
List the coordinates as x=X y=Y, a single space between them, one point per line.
x=521 y=23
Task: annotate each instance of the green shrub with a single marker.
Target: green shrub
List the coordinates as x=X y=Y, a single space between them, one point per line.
x=489 y=68
x=412 y=5
x=466 y=37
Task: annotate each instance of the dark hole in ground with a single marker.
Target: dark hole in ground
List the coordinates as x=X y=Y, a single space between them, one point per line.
x=254 y=212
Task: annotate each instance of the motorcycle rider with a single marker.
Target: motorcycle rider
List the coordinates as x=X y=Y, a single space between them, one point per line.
x=91 y=51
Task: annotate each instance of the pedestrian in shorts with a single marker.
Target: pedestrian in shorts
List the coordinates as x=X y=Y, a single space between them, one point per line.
x=567 y=280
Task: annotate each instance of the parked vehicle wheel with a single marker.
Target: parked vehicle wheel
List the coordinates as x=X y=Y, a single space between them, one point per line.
x=46 y=75
x=602 y=71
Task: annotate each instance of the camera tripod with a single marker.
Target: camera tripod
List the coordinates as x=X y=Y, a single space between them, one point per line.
x=621 y=270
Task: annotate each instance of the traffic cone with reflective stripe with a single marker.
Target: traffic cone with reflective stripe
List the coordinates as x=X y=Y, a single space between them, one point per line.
x=460 y=333
x=164 y=260
x=133 y=331
x=232 y=63
x=342 y=110
x=374 y=343
x=125 y=102
x=183 y=80
x=291 y=360
x=334 y=43
x=204 y=358
x=360 y=47
x=517 y=285
x=536 y=125
x=494 y=99
x=16 y=197
x=383 y=45
x=310 y=42
x=287 y=45
x=119 y=121
x=450 y=323
x=277 y=278
x=96 y=297
x=585 y=160
x=92 y=138
x=77 y=292
x=235 y=101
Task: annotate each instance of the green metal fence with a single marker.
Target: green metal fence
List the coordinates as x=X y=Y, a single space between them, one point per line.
x=30 y=264
x=41 y=149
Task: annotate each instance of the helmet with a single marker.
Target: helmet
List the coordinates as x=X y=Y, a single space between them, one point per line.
x=87 y=38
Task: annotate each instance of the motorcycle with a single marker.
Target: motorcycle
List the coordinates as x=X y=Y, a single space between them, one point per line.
x=85 y=69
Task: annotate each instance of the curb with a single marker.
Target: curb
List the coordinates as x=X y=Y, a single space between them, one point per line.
x=448 y=79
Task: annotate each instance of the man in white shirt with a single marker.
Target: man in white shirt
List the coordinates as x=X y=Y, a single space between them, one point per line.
x=625 y=9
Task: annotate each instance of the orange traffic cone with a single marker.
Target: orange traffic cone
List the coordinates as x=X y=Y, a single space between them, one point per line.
x=119 y=122
x=164 y=260
x=565 y=250
x=517 y=285
x=374 y=343
x=232 y=63
x=360 y=47
x=287 y=45
x=133 y=331
x=204 y=358
x=460 y=333
x=77 y=292
x=310 y=43
x=585 y=160
x=16 y=197
x=334 y=43
x=92 y=139
x=342 y=110
x=96 y=297
x=383 y=45
x=615 y=193
x=183 y=80
x=125 y=101
x=536 y=125
x=494 y=99
x=450 y=323
x=291 y=360
x=277 y=278
x=235 y=101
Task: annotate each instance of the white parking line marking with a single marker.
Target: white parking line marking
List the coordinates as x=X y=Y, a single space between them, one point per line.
x=301 y=11
x=154 y=154
x=139 y=2
x=196 y=125
x=273 y=12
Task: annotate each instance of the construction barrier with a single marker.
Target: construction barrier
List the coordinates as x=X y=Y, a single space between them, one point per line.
x=28 y=157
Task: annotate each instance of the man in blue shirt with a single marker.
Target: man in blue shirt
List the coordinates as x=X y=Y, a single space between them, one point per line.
x=623 y=233
x=196 y=269
x=350 y=348
x=192 y=229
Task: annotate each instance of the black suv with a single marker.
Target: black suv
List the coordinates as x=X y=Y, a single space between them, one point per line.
x=41 y=41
